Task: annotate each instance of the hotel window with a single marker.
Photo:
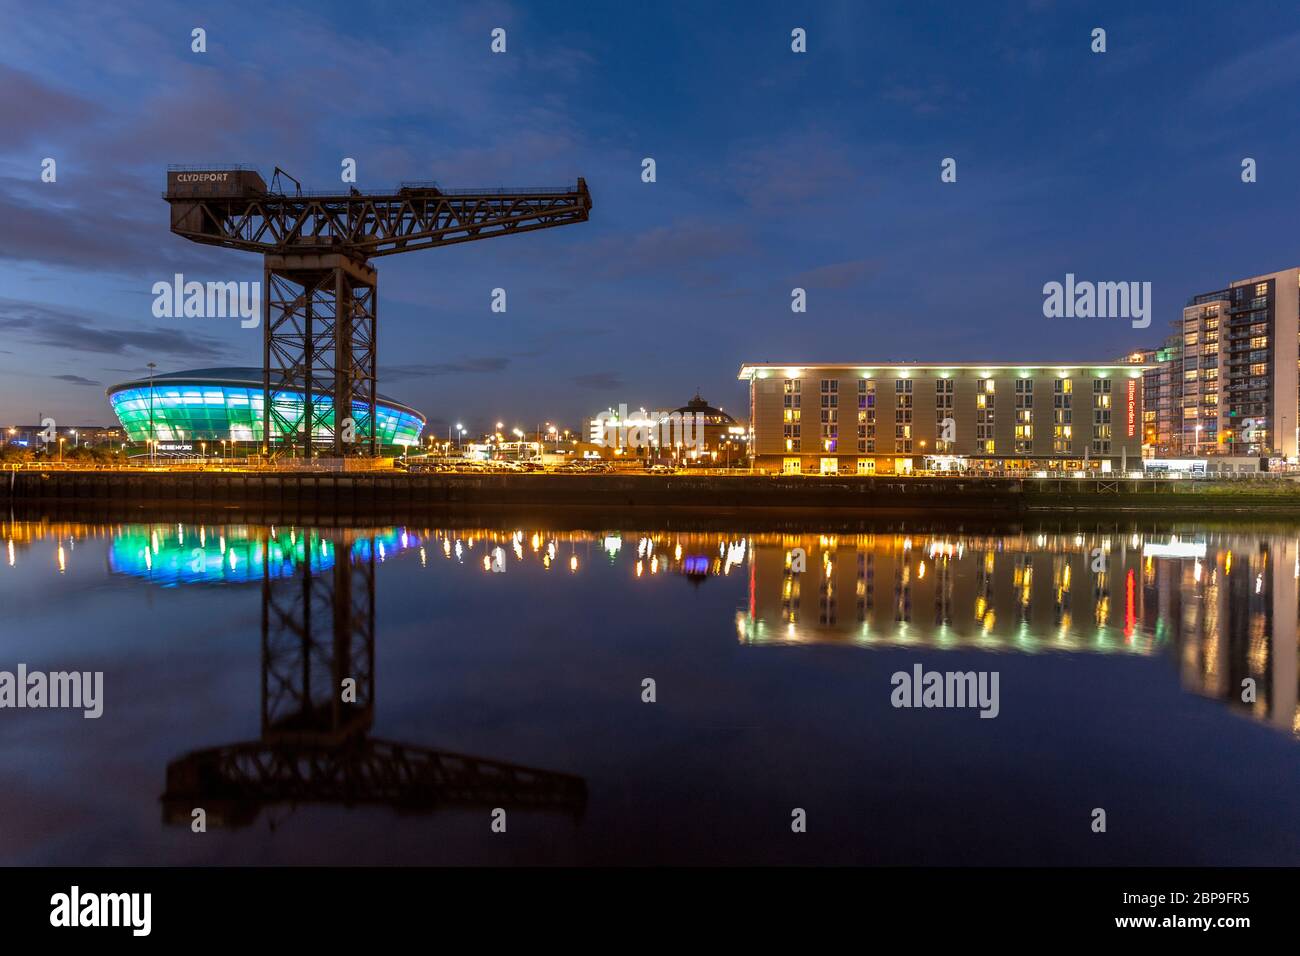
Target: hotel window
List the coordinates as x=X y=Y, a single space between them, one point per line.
x=1101 y=416
x=985 y=408
x=830 y=394
x=1261 y=288
x=943 y=410
x=866 y=415
x=1062 y=414
x=790 y=426
x=1024 y=416
x=903 y=415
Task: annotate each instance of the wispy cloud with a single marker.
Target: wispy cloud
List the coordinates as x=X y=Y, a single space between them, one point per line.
x=29 y=108
x=76 y=380
x=837 y=275
x=53 y=327
x=471 y=366
x=599 y=380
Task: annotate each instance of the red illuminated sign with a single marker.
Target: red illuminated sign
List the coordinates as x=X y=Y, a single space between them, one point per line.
x=1132 y=407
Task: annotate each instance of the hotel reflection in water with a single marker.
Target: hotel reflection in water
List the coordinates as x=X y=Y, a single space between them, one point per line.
x=1222 y=605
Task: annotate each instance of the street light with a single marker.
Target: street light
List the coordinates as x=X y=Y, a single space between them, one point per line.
x=152 y=366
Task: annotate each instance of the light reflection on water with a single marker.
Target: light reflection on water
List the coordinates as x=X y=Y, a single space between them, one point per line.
x=1218 y=608
x=1224 y=604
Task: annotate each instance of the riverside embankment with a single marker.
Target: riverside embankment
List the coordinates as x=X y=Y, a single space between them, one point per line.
x=388 y=492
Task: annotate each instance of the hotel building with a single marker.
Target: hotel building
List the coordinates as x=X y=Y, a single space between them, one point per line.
x=895 y=418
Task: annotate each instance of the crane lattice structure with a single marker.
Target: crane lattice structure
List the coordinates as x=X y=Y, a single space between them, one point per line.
x=319 y=289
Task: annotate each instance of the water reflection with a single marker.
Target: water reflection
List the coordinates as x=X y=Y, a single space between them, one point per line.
x=318 y=692
x=318 y=631
x=1222 y=605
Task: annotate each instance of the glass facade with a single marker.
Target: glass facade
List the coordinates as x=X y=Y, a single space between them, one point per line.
x=183 y=411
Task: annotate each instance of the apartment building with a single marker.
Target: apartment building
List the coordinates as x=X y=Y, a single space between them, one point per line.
x=1228 y=382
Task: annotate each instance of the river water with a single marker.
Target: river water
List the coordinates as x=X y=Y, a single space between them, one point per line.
x=406 y=693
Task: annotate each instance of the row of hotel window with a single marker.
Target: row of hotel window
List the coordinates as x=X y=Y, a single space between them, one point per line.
x=985 y=415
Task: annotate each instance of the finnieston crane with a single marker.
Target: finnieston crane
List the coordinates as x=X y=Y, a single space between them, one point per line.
x=319 y=290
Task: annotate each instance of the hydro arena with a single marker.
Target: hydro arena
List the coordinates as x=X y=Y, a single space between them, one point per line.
x=225 y=405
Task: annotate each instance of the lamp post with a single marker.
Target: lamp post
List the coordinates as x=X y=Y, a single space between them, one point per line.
x=152 y=366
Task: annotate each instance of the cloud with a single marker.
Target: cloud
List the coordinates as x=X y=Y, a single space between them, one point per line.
x=472 y=366
x=118 y=226
x=52 y=326
x=1251 y=75
x=599 y=380
x=686 y=249
x=29 y=109
x=76 y=380
x=797 y=169
x=924 y=99
x=837 y=275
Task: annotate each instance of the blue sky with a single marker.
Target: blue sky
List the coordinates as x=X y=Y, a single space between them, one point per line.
x=775 y=170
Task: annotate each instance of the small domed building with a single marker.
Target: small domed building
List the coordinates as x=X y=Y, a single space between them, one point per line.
x=719 y=440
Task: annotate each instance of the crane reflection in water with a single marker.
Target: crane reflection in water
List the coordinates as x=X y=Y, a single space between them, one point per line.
x=318 y=686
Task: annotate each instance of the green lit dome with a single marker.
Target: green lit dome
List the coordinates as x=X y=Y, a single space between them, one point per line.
x=225 y=404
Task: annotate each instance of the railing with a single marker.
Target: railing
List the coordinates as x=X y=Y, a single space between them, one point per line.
x=386 y=193
x=211 y=168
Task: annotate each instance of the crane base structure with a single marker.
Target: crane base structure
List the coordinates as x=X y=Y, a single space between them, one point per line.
x=320 y=292
x=318 y=335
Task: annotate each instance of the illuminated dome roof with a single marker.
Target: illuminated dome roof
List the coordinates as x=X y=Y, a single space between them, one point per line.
x=245 y=377
x=217 y=404
x=712 y=416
